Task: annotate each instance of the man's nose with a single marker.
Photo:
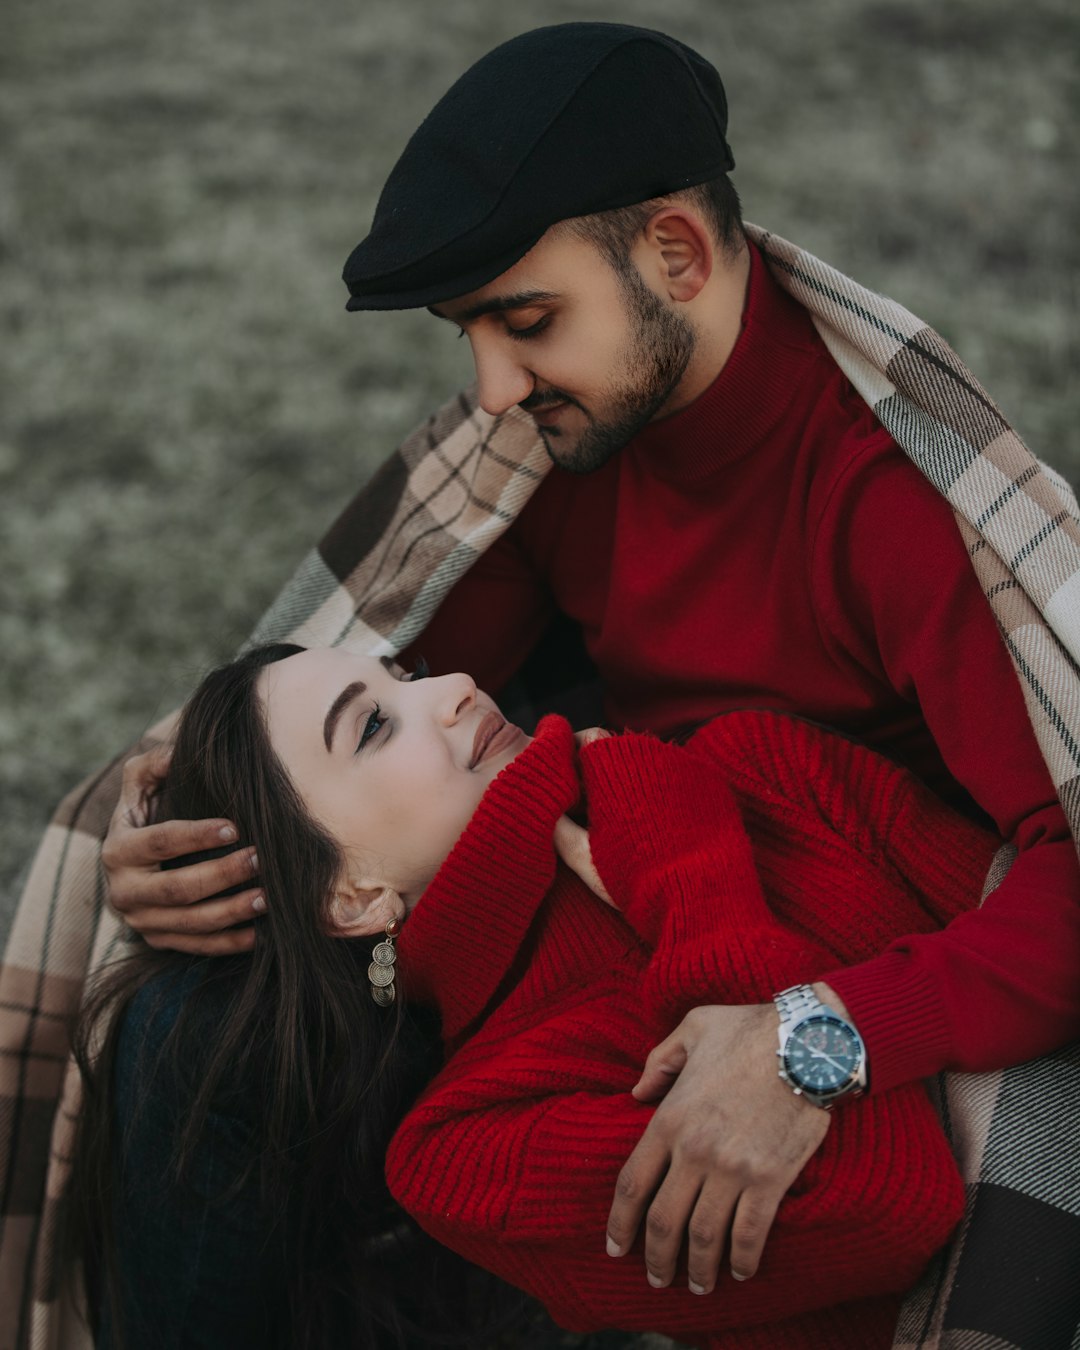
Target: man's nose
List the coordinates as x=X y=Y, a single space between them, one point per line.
x=455 y=697
x=502 y=380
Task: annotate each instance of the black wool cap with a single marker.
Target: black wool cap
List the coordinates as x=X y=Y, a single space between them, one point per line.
x=559 y=122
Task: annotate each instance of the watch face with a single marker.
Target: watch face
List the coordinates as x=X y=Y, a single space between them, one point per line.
x=822 y=1054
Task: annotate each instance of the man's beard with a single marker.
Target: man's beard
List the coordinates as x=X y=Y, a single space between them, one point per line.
x=661 y=346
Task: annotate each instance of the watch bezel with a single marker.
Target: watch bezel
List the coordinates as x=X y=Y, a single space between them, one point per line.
x=818 y=1018
x=792 y=1020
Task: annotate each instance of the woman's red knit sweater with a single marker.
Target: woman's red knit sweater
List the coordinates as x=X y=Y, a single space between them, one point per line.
x=753 y=858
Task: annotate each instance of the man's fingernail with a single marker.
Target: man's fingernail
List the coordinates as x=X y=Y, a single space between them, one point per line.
x=655 y=1280
x=227 y=834
x=258 y=904
x=253 y=858
x=696 y=1288
x=613 y=1248
x=736 y=1276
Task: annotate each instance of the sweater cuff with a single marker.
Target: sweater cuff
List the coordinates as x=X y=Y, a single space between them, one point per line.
x=899 y=1013
x=650 y=803
x=667 y=839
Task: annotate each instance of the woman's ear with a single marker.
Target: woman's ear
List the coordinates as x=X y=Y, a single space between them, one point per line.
x=358 y=910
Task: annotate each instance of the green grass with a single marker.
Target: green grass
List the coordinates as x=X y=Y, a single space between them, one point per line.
x=184 y=403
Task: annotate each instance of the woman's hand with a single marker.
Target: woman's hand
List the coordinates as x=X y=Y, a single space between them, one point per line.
x=572 y=846
x=170 y=908
x=572 y=841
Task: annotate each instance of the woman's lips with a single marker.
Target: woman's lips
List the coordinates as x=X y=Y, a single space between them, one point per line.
x=493 y=735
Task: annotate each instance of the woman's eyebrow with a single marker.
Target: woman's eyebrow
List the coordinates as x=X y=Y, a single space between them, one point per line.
x=338 y=706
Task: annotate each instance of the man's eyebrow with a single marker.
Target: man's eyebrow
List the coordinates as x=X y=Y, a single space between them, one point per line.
x=497 y=305
x=338 y=706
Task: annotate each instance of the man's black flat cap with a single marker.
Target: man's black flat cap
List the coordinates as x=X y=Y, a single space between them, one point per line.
x=559 y=122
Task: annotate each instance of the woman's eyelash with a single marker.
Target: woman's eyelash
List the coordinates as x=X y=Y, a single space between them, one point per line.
x=375 y=721
x=373 y=724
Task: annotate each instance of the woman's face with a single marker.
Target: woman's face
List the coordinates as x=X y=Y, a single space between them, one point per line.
x=392 y=766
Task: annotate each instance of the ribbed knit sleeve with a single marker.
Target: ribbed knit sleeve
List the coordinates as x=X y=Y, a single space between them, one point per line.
x=661 y=831
x=849 y=852
x=673 y=851
x=795 y=781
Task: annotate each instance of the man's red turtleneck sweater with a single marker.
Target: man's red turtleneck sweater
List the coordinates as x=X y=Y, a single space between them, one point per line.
x=751 y=859
x=770 y=546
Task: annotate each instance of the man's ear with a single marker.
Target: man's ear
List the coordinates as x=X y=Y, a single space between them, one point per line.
x=682 y=251
x=359 y=910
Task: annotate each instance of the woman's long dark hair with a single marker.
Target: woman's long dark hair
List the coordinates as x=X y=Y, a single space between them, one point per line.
x=333 y=1071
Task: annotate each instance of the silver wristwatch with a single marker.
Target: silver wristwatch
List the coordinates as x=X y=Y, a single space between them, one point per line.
x=822 y=1056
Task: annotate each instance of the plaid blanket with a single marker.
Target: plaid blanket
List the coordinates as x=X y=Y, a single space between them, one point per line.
x=373 y=583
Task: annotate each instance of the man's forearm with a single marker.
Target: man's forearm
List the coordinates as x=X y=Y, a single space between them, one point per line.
x=996 y=987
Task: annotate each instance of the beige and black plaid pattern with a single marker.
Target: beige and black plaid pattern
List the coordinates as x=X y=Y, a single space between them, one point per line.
x=374 y=582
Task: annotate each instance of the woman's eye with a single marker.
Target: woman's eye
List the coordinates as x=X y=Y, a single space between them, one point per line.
x=372 y=726
x=420 y=671
x=534 y=330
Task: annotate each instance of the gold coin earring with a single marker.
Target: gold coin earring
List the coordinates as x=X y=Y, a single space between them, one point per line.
x=381 y=970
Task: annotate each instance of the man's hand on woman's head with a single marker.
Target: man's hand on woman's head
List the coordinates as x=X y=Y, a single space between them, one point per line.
x=170 y=908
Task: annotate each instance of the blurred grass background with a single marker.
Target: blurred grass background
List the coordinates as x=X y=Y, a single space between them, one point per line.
x=184 y=403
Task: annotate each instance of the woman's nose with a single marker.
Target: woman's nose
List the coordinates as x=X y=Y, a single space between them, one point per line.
x=456 y=697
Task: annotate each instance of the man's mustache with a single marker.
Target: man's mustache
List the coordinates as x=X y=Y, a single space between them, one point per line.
x=546 y=398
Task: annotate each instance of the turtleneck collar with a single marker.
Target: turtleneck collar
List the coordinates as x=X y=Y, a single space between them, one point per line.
x=458 y=944
x=772 y=355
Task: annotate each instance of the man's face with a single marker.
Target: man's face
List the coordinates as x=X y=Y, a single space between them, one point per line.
x=593 y=355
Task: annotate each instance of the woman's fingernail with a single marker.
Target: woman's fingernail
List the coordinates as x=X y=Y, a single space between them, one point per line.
x=227 y=834
x=736 y=1276
x=655 y=1280
x=696 y=1288
x=258 y=904
x=253 y=858
x=613 y=1248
